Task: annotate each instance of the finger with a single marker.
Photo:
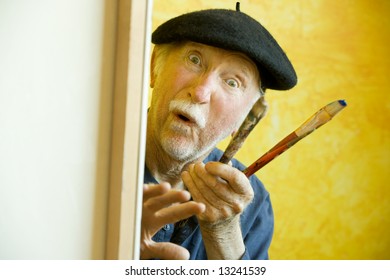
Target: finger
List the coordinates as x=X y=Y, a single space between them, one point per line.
x=151 y=190
x=213 y=181
x=201 y=173
x=223 y=197
x=214 y=187
x=168 y=251
x=219 y=187
x=165 y=200
x=237 y=180
x=216 y=209
x=199 y=190
x=178 y=212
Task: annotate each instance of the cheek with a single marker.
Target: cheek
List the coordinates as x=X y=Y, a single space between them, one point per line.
x=228 y=115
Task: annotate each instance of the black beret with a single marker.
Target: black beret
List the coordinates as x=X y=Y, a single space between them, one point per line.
x=236 y=31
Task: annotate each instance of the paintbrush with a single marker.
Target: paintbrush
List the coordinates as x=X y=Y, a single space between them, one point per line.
x=257 y=112
x=320 y=118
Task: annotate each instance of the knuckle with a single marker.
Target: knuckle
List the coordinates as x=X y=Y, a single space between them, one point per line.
x=237 y=207
x=226 y=212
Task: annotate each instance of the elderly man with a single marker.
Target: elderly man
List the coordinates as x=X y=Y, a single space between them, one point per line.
x=208 y=69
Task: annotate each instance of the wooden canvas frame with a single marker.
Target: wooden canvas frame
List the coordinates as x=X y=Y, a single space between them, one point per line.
x=129 y=128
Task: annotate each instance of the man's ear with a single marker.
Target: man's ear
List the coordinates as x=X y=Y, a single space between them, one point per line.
x=152 y=71
x=233 y=132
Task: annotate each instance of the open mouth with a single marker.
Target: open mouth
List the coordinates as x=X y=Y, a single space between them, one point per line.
x=184 y=118
x=188 y=114
x=188 y=118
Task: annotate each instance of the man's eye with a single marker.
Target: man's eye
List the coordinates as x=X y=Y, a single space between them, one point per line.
x=195 y=59
x=232 y=83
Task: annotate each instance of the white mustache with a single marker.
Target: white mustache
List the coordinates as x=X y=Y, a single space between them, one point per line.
x=189 y=110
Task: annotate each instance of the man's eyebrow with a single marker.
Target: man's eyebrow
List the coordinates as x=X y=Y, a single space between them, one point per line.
x=193 y=45
x=245 y=67
x=245 y=70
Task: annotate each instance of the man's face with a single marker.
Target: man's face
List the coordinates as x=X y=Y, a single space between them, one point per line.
x=201 y=95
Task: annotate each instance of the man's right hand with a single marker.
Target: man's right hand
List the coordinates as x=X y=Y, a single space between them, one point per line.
x=163 y=205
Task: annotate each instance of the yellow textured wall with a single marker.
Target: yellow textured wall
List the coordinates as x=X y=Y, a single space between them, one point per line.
x=330 y=192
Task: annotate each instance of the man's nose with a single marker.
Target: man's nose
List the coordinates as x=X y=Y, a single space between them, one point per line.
x=203 y=88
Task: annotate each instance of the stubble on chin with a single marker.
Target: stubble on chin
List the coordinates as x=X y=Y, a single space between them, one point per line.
x=186 y=149
x=177 y=149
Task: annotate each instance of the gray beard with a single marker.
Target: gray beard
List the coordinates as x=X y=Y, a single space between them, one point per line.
x=183 y=152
